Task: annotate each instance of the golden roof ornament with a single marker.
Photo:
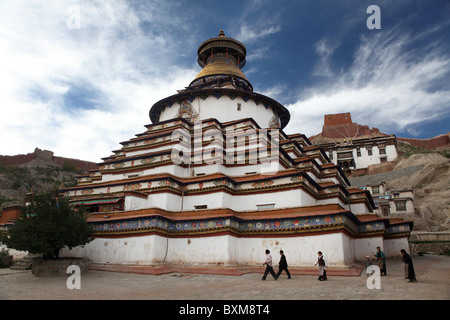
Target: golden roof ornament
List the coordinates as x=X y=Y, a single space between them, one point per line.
x=221 y=56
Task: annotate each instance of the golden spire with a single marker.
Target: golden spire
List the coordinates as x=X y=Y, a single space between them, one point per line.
x=221 y=56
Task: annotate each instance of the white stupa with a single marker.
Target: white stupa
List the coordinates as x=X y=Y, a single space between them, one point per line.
x=215 y=180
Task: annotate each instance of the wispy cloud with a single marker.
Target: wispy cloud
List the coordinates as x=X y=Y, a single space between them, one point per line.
x=324 y=50
x=256 y=23
x=252 y=33
x=391 y=84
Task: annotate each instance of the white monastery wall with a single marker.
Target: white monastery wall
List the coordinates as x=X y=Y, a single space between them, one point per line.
x=136 y=203
x=365 y=160
x=209 y=107
x=282 y=199
x=367 y=247
x=224 y=249
x=179 y=171
x=392 y=247
x=130 y=250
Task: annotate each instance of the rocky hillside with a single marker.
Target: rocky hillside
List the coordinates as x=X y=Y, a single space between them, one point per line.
x=431 y=186
x=40 y=174
x=428 y=174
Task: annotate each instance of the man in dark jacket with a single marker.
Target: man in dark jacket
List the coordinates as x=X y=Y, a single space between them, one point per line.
x=282 y=265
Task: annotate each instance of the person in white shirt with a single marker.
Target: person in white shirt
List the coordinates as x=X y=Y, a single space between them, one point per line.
x=269 y=268
x=322 y=267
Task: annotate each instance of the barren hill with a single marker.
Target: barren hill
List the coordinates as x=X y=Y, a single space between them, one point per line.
x=36 y=172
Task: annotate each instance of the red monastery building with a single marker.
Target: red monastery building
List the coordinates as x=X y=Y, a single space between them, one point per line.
x=214 y=179
x=354 y=147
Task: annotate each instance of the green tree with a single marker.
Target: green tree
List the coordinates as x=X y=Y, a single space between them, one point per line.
x=48 y=224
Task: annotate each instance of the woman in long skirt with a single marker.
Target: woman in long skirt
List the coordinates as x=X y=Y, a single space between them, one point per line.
x=410 y=267
x=322 y=267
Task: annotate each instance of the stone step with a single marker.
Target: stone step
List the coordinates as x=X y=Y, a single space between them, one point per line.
x=14 y=267
x=22 y=264
x=20 y=267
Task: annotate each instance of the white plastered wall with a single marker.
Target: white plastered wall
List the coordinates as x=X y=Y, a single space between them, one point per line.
x=393 y=246
x=222 y=250
x=148 y=249
x=367 y=247
x=224 y=110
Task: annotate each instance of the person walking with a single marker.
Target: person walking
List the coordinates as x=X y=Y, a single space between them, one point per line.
x=282 y=265
x=409 y=265
x=322 y=266
x=381 y=257
x=269 y=268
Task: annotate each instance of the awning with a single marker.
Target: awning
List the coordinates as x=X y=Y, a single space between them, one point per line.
x=96 y=201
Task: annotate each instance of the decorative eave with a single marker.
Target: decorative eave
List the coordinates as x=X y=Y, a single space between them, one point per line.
x=298 y=221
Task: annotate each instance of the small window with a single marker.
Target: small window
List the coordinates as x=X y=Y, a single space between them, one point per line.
x=400 y=205
x=345 y=155
x=202 y=206
x=369 y=149
x=265 y=206
x=239 y=106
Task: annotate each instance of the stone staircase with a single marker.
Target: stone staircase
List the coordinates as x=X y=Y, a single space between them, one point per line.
x=23 y=264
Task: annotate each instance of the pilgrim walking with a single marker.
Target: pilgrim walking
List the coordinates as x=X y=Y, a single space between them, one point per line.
x=322 y=266
x=269 y=268
x=282 y=265
x=411 y=275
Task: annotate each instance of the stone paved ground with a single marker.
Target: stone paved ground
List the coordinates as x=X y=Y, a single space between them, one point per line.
x=433 y=274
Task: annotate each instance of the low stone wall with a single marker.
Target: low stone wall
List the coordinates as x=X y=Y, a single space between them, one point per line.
x=57 y=267
x=443 y=236
x=431 y=242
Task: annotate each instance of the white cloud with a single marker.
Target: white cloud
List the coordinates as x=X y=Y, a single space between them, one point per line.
x=124 y=68
x=388 y=86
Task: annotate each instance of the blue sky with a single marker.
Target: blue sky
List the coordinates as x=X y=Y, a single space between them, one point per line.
x=79 y=77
